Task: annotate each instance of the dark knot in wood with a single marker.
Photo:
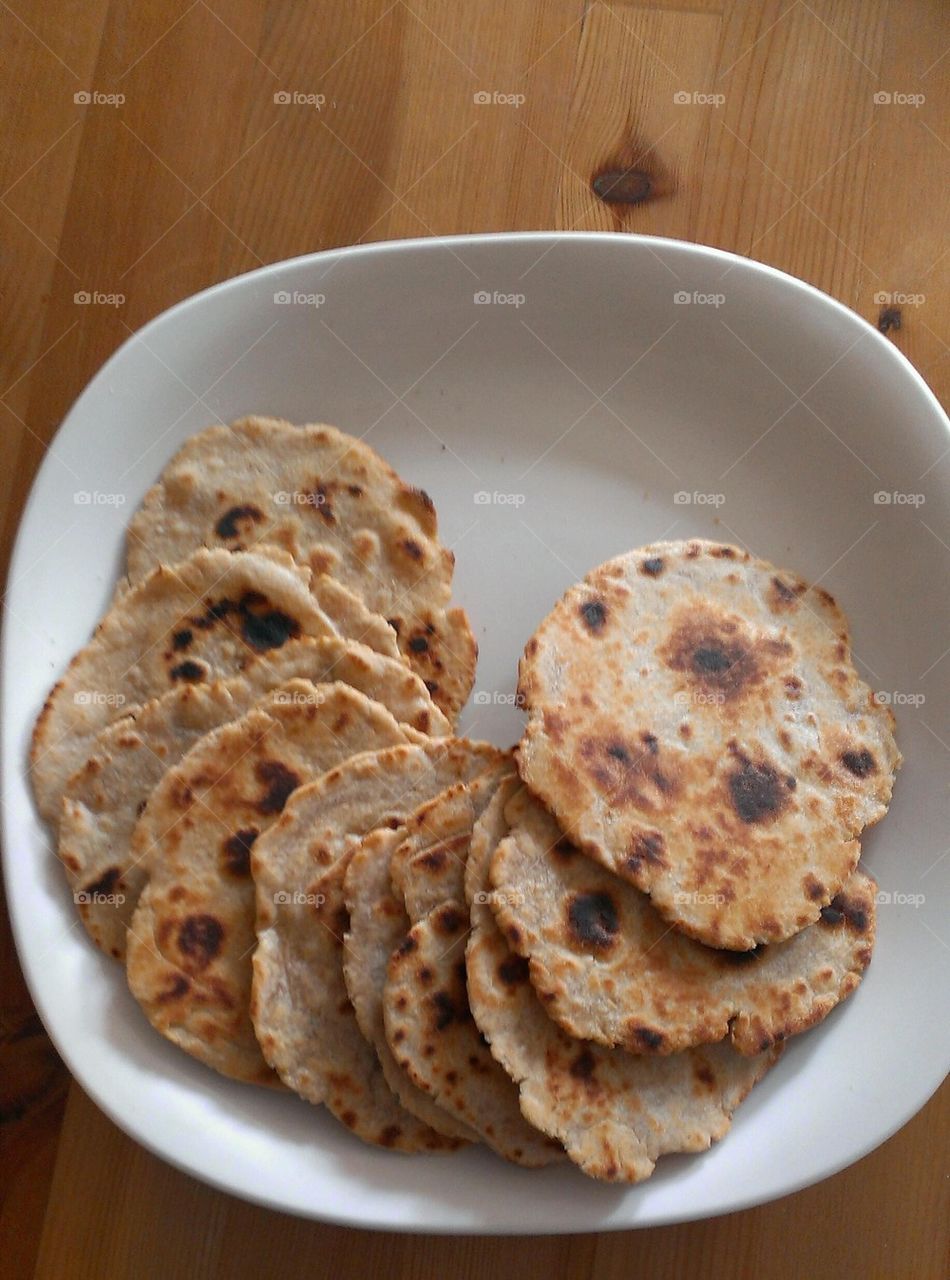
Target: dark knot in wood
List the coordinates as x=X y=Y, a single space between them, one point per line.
x=622 y=186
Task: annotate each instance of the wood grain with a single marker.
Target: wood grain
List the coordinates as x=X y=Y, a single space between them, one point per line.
x=780 y=151
x=631 y=67
x=146 y=1219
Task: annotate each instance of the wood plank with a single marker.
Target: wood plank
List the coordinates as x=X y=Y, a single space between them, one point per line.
x=50 y=58
x=639 y=102
x=907 y=184
x=790 y=75
x=851 y=1225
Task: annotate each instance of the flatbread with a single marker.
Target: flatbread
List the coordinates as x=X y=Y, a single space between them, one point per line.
x=203 y=619
x=608 y=968
x=103 y=799
x=696 y=724
x=377 y=926
x=192 y=934
x=427 y=867
x=431 y=1032
x=342 y=1069
x=335 y=505
x=614 y=1112
x=294 y=969
x=428 y=1024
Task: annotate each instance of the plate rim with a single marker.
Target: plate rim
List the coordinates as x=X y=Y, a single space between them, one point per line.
x=130 y=1124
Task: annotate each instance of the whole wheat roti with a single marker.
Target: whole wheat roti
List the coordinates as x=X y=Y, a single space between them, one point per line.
x=614 y=1112
x=296 y=973
x=427 y=867
x=334 y=504
x=377 y=924
x=340 y=1068
x=608 y=968
x=203 y=619
x=192 y=934
x=127 y=759
x=696 y=724
x=428 y=1024
x=433 y=1037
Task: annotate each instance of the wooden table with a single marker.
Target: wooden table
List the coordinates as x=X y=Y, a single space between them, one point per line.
x=754 y=125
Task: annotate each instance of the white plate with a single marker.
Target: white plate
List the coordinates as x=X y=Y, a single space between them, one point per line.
x=582 y=398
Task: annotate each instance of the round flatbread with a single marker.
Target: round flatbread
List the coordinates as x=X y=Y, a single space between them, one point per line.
x=427 y=867
x=608 y=968
x=192 y=934
x=342 y=1069
x=377 y=925
x=696 y=724
x=433 y=1037
x=194 y=622
x=428 y=1024
x=614 y=1112
x=103 y=800
x=335 y=505
x=297 y=973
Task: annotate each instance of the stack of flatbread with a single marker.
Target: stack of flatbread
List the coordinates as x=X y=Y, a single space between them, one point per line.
x=674 y=881
x=588 y=950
